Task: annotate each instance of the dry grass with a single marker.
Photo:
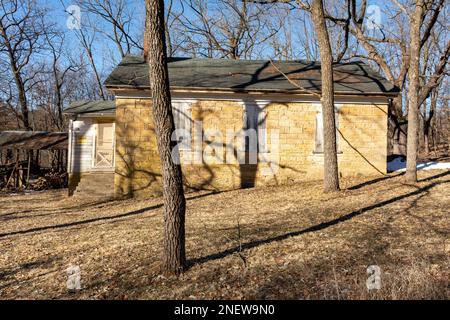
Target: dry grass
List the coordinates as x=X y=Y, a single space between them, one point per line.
x=296 y=243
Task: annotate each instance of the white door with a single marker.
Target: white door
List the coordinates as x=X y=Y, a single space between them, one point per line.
x=104 y=146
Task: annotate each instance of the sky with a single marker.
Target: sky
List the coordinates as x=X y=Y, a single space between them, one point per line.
x=107 y=55
x=106 y=52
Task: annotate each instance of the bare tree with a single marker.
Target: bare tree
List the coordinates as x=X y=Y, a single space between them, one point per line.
x=86 y=34
x=87 y=42
x=414 y=82
x=374 y=45
x=331 y=177
x=387 y=46
x=434 y=79
x=282 y=43
x=22 y=30
x=432 y=73
x=175 y=37
x=174 y=257
x=119 y=21
x=331 y=171
x=59 y=71
x=295 y=39
x=232 y=29
x=428 y=126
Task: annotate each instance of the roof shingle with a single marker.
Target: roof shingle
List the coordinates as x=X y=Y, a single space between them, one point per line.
x=251 y=75
x=80 y=107
x=33 y=140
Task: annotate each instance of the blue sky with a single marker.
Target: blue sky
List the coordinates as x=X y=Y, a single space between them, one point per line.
x=106 y=54
x=105 y=51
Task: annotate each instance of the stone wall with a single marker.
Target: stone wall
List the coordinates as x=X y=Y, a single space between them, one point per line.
x=363 y=146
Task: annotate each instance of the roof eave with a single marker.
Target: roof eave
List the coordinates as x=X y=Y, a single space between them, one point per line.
x=253 y=91
x=91 y=114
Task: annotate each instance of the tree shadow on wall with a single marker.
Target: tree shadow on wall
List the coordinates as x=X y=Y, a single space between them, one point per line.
x=134 y=154
x=238 y=158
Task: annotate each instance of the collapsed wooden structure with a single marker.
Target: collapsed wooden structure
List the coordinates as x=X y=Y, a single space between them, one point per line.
x=20 y=153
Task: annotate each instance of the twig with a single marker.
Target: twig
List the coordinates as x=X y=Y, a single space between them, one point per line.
x=293 y=82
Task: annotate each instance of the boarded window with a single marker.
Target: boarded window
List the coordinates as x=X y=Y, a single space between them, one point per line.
x=182 y=116
x=254 y=120
x=319 y=132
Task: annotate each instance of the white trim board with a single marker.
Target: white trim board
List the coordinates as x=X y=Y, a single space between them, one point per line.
x=240 y=97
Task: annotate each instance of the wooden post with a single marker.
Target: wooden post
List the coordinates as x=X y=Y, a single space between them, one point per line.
x=60 y=160
x=16 y=176
x=37 y=160
x=11 y=177
x=9 y=155
x=66 y=160
x=20 y=178
x=29 y=166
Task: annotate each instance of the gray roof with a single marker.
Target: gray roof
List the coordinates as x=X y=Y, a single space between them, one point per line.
x=80 y=107
x=251 y=75
x=33 y=140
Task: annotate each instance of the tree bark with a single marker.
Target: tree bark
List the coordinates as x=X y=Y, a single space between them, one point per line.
x=174 y=259
x=59 y=103
x=331 y=177
x=18 y=80
x=428 y=125
x=414 y=87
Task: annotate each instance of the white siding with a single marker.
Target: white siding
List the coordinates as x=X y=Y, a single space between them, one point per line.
x=82 y=145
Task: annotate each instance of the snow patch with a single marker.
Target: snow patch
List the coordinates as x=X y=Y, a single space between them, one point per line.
x=399 y=164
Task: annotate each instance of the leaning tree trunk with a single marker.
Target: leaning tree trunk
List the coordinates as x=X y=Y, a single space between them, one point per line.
x=331 y=178
x=428 y=125
x=174 y=259
x=414 y=86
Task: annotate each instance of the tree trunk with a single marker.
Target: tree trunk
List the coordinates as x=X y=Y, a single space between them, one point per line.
x=397 y=124
x=414 y=86
x=428 y=125
x=331 y=178
x=18 y=80
x=432 y=119
x=174 y=259
x=88 y=48
x=397 y=106
x=446 y=107
x=59 y=103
